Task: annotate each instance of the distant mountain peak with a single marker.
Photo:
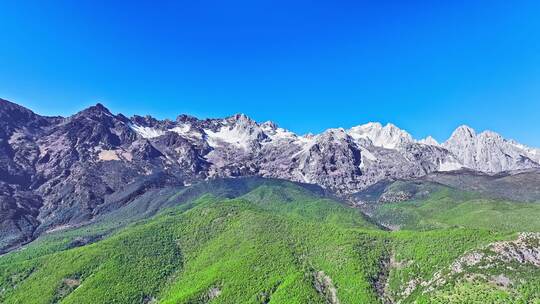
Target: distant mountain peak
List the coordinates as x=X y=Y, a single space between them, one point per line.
x=97 y=109
x=429 y=141
x=240 y=117
x=389 y=136
x=463 y=131
x=489 y=133
x=183 y=118
x=101 y=106
x=269 y=125
x=489 y=152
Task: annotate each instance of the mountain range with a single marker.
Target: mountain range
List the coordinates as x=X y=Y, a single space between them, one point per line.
x=98 y=207
x=58 y=172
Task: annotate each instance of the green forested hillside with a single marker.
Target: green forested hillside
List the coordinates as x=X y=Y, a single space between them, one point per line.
x=436 y=206
x=262 y=241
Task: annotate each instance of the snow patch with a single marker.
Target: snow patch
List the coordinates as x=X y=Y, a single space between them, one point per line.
x=233 y=136
x=185 y=130
x=147 y=132
x=280 y=133
x=181 y=129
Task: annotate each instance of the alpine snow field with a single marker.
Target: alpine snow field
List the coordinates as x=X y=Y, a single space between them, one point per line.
x=101 y=208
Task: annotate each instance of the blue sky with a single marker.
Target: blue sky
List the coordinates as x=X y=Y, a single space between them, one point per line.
x=308 y=65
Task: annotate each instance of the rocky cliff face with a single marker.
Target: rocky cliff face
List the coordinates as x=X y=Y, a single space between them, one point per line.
x=58 y=172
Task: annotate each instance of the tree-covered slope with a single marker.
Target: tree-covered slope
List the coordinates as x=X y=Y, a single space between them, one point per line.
x=259 y=241
x=409 y=205
x=276 y=242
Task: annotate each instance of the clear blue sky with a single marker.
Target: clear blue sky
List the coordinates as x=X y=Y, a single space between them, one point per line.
x=426 y=66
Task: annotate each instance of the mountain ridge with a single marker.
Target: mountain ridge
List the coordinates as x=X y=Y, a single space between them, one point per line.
x=58 y=171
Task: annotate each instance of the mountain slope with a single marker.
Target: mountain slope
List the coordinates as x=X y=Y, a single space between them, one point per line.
x=443 y=200
x=271 y=242
x=216 y=248
x=497 y=271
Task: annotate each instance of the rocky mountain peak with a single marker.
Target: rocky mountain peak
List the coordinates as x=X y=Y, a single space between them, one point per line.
x=389 y=136
x=335 y=134
x=490 y=135
x=99 y=105
x=489 y=152
x=241 y=118
x=429 y=141
x=269 y=125
x=463 y=132
x=97 y=113
x=147 y=120
x=96 y=109
x=183 y=118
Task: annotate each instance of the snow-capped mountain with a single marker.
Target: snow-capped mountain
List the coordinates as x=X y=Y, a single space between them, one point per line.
x=490 y=152
x=389 y=136
x=341 y=160
x=63 y=171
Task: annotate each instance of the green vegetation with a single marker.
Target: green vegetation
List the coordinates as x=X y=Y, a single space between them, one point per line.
x=446 y=207
x=255 y=241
